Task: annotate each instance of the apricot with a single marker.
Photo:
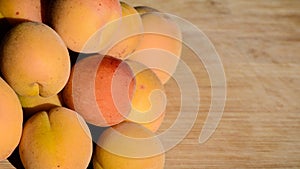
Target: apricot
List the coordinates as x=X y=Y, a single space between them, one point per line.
x=145 y=9
x=149 y=100
x=50 y=139
x=77 y=21
x=11 y=120
x=128 y=37
x=100 y=89
x=123 y=146
x=97 y=166
x=35 y=61
x=34 y=104
x=162 y=37
x=17 y=11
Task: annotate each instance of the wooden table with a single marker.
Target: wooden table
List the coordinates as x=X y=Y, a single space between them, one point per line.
x=259 y=45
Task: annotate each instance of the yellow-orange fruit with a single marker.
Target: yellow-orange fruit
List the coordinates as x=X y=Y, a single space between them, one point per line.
x=34 y=104
x=11 y=119
x=50 y=139
x=123 y=147
x=149 y=100
x=162 y=42
x=145 y=9
x=76 y=21
x=128 y=37
x=100 y=89
x=96 y=165
x=17 y=11
x=34 y=60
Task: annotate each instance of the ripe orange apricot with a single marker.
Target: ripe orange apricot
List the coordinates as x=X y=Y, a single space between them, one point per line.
x=76 y=21
x=11 y=120
x=35 y=104
x=17 y=11
x=128 y=38
x=50 y=139
x=160 y=46
x=149 y=100
x=128 y=145
x=34 y=60
x=100 y=89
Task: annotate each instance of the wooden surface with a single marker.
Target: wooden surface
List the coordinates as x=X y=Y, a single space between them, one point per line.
x=259 y=44
x=5 y=165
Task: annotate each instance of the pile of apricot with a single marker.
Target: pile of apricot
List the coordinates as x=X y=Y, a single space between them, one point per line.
x=69 y=64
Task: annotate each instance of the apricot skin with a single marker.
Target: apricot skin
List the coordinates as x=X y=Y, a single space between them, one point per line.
x=21 y=10
x=128 y=38
x=34 y=60
x=76 y=21
x=59 y=138
x=100 y=88
x=11 y=120
x=105 y=158
x=148 y=102
x=161 y=33
x=35 y=104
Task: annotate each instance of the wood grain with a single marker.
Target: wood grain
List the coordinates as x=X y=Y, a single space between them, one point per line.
x=5 y=165
x=259 y=45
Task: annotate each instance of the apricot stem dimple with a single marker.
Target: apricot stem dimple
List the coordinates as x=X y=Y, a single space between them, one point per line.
x=47 y=120
x=38 y=88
